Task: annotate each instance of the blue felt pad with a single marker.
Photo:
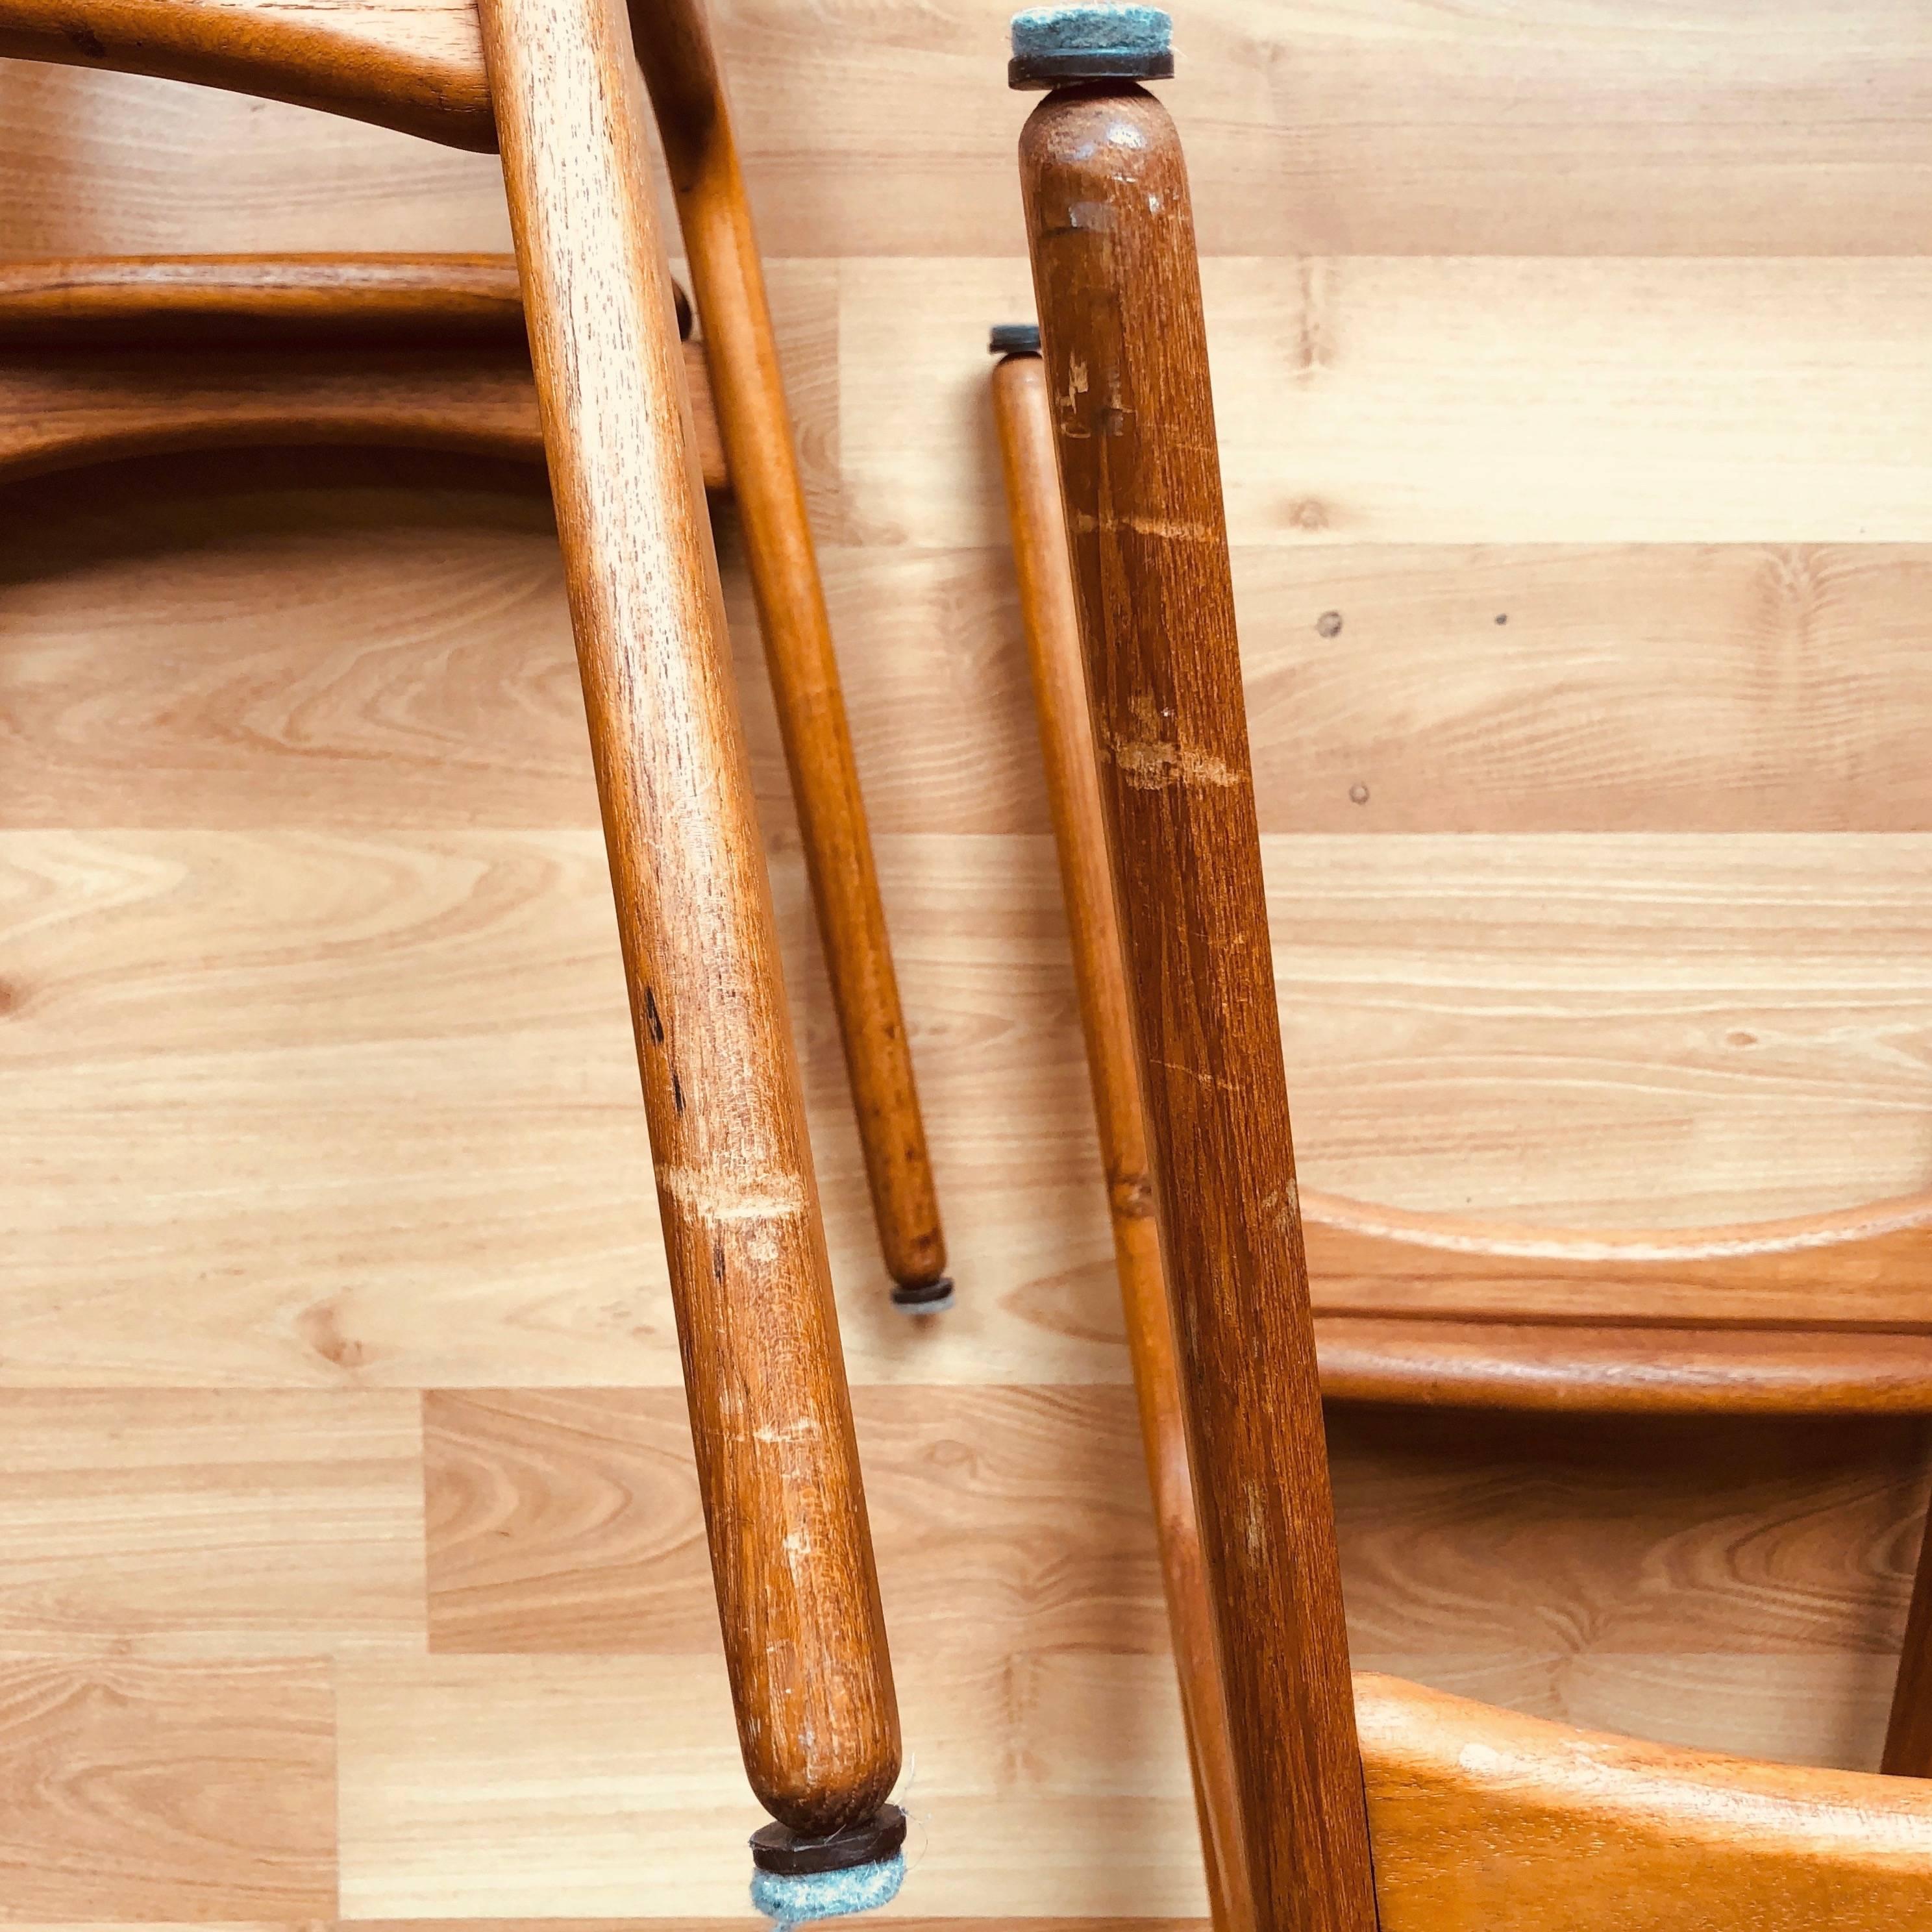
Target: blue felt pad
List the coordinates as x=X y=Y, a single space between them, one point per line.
x=796 y=1901
x=1041 y=32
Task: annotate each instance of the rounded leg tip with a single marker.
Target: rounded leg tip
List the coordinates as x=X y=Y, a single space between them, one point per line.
x=923 y=1297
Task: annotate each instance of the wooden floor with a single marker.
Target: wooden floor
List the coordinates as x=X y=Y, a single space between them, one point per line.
x=1577 y=409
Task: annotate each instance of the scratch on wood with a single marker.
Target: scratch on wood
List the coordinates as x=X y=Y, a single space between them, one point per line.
x=1283 y=1207
x=1148 y=766
x=1195 y=1073
x=792 y=1432
x=1085 y=524
x=713 y=1196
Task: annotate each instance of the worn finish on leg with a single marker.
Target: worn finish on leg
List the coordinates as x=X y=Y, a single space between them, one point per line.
x=1117 y=286
x=790 y=1550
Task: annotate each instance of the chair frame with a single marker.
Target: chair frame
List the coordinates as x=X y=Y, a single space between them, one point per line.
x=419 y=66
x=1477 y=1818
x=558 y=85
x=106 y=358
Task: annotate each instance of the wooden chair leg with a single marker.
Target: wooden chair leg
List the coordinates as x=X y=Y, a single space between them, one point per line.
x=673 y=43
x=1908 y=1738
x=1051 y=620
x=1117 y=285
x=785 y=1509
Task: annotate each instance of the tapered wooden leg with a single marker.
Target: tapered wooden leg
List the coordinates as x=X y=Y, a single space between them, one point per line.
x=785 y=1512
x=1052 y=624
x=673 y=43
x=1117 y=286
x=1908 y=1738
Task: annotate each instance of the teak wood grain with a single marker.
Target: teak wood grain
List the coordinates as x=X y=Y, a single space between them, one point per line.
x=1051 y=619
x=134 y=356
x=301 y=1007
x=1864 y=1268
x=798 y=1598
x=1418 y=1307
x=1484 y=1818
x=70 y=413
x=818 y=1725
x=1824 y=1312
x=1442 y=1362
x=1908 y=1741
x=1384 y=131
x=1105 y=194
x=218 y=301
x=347 y=723
x=482 y=1785
x=673 y=44
x=1479 y=1817
x=412 y=65
x=1635 y=1573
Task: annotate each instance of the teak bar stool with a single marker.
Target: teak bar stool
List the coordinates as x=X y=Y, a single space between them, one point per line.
x=421 y=68
x=1476 y=1819
x=556 y=84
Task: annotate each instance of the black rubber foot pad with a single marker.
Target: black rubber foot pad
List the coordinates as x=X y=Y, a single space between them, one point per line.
x=1050 y=70
x=923 y=1297
x=778 y=1848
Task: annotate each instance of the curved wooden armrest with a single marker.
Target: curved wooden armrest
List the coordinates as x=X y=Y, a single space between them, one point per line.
x=416 y=65
x=132 y=355
x=1482 y=1818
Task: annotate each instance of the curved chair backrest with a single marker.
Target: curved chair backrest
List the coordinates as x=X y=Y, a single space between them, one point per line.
x=416 y=65
x=1476 y=1818
x=135 y=356
x=557 y=83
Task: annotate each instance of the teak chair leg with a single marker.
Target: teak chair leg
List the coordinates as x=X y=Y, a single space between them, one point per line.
x=785 y=1512
x=673 y=43
x=1116 y=280
x=1051 y=621
x=1908 y=1737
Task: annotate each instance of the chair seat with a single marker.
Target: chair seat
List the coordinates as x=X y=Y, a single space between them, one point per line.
x=1483 y=1819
